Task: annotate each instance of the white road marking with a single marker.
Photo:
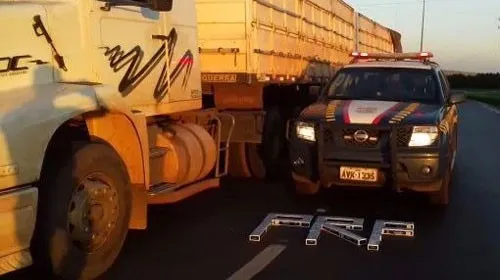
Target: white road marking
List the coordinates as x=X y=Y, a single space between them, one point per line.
x=488 y=107
x=258 y=263
x=453 y=160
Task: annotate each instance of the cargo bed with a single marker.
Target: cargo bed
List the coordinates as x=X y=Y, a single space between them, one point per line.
x=283 y=40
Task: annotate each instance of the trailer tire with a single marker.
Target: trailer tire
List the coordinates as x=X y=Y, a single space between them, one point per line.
x=83 y=215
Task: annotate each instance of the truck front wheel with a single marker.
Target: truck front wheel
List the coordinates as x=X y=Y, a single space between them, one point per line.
x=83 y=215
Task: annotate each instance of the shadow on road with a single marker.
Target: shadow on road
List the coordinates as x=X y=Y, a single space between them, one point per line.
x=208 y=234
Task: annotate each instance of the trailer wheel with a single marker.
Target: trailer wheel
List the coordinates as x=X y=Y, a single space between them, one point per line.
x=82 y=222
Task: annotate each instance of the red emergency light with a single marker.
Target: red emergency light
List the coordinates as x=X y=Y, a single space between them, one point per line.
x=396 y=56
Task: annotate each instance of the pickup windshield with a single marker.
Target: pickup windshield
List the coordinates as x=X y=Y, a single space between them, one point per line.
x=390 y=84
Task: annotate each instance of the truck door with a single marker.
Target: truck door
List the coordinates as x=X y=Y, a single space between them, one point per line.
x=184 y=71
x=130 y=49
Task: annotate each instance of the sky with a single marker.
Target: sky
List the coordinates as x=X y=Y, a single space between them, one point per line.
x=463 y=35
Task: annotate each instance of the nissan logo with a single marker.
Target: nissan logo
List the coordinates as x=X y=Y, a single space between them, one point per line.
x=360 y=136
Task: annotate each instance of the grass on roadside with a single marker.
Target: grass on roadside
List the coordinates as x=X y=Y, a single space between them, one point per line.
x=489 y=97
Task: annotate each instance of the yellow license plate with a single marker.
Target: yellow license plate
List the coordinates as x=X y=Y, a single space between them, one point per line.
x=358 y=174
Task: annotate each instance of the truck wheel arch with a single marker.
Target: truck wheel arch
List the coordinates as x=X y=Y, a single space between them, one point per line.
x=123 y=134
x=120 y=132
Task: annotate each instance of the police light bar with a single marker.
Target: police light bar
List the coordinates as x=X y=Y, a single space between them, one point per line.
x=414 y=55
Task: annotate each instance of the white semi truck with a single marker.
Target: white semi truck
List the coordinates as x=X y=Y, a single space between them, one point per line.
x=107 y=106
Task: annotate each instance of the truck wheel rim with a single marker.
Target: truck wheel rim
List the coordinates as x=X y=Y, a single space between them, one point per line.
x=92 y=213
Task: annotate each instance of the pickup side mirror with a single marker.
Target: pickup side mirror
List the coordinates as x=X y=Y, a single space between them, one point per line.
x=161 y=5
x=457 y=98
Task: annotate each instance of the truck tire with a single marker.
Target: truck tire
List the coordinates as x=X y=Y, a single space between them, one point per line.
x=442 y=197
x=238 y=165
x=83 y=215
x=273 y=142
x=245 y=161
x=255 y=162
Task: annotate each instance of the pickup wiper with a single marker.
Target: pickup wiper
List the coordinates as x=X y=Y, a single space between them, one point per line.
x=341 y=97
x=351 y=98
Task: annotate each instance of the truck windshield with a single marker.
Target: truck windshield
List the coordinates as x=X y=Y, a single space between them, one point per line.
x=390 y=84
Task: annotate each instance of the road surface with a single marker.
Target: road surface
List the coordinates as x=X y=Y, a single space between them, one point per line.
x=206 y=237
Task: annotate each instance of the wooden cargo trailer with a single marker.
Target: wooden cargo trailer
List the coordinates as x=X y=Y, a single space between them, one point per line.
x=260 y=57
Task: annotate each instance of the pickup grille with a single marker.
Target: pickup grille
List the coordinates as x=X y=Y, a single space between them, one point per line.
x=348 y=138
x=404 y=136
x=344 y=137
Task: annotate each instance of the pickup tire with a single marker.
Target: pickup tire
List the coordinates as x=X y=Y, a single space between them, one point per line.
x=83 y=215
x=304 y=186
x=442 y=197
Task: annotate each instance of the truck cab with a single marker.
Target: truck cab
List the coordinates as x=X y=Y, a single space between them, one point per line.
x=100 y=115
x=102 y=109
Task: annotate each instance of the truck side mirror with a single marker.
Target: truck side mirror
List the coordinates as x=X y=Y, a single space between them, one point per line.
x=161 y=5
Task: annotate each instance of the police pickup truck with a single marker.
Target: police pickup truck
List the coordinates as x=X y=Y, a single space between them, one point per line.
x=383 y=120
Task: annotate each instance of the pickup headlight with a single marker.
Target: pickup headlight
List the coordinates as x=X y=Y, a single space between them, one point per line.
x=306 y=131
x=422 y=136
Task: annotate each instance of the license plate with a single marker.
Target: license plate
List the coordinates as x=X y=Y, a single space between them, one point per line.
x=358 y=174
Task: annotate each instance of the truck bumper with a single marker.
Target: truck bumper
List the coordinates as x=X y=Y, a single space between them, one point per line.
x=18 y=209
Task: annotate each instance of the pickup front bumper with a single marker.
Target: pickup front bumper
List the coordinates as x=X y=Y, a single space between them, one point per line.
x=408 y=173
x=400 y=167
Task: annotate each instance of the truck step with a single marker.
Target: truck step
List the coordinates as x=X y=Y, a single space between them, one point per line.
x=156 y=152
x=167 y=193
x=162 y=188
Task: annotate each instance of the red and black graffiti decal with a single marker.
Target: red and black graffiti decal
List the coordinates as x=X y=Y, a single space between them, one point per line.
x=134 y=74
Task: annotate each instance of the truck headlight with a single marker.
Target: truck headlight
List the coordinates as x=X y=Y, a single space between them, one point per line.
x=422 y=136
x=306 y=131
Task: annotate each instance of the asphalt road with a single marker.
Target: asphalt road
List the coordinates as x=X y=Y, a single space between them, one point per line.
x=206 y=237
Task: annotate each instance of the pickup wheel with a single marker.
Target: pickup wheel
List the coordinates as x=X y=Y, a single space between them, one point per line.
x=305 y=186
x=83 y=215
x=442 y=197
